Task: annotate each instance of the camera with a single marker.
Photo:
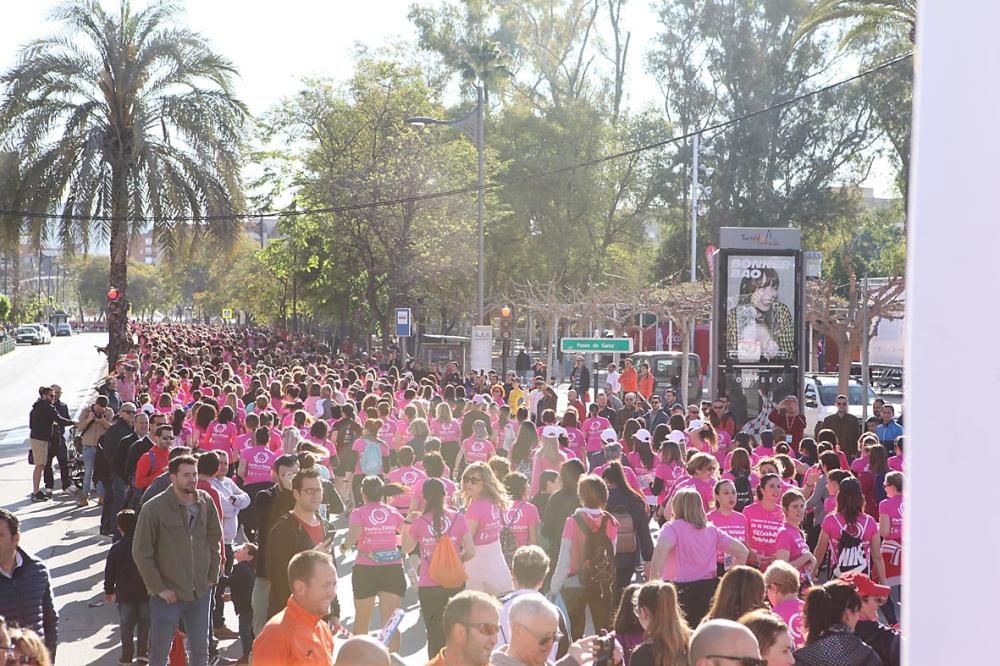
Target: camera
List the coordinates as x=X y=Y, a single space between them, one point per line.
x=604 y=650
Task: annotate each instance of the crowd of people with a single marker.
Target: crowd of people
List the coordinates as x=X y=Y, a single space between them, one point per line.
x=237 y=466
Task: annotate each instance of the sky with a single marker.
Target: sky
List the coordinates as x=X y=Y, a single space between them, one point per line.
x=276 y=43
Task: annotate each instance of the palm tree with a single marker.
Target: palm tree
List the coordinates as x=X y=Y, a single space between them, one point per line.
x=871 y=17
x=125 y=120
x=485 y=64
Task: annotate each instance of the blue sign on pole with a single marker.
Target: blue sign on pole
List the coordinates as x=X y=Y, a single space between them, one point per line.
x=404 y=323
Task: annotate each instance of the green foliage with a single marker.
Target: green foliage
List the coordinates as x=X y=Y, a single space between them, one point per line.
x=866 y=18
x=5 y=307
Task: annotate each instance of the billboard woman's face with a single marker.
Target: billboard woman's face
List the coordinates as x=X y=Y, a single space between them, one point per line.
x=762 y=297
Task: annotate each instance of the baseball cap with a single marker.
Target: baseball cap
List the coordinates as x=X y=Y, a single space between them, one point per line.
x=609 y=436
x=148 y=408
x=551 y=431
x=479 y=399
x=561 y=432
x=865 y=586
x=695 y=425
x=643 y=435
x=676 y=436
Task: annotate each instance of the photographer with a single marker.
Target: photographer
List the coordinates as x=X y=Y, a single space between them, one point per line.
x=92 y=425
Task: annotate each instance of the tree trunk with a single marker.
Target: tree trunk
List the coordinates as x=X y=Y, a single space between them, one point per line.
x=685 y=363
x=845 y=346
x=119 y=340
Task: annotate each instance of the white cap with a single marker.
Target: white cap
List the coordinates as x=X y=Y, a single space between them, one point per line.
x=643 y=435
x=695 y=425
x=148 y=408
x=551 y=431
x=609 y=436
x=479 y=399
x=561 y=432
x=676 y=436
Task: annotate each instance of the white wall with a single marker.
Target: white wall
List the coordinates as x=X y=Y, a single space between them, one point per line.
x=951 y=540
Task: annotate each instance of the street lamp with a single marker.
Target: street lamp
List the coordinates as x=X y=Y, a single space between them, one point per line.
x=472 y=127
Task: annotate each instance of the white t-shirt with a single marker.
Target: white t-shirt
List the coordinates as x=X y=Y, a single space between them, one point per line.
x=614 y=378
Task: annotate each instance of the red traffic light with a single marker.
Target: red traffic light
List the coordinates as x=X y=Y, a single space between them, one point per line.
x=113 y=294
x=505 y=311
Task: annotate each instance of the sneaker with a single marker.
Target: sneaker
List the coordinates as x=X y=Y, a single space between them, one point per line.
x=83 y=502
x=46 y=491
x=39 y=497
x=222 y=632
x=219 y=660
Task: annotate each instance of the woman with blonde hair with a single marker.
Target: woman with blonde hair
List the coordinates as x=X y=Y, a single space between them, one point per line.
x=740 y=591
x=687 y=551
x=548 y=457
x=666 y=632
x=486 y=502
x=783 y=582
x=27 y=648
x=290 y=438
x=448 y=429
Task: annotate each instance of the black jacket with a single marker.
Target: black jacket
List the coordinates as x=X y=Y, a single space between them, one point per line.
x=561 y=506
x=42 y=418
x=136 y=450
x=884 y=640
x=285 y=540
x=26 y=599
x=121 y=576
x=620 y=501
x=269 y=505
x=110 y=439
x=839 y=647
x=241 y=583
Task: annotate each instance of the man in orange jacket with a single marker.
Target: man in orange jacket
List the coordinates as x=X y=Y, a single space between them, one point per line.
x=298 y=634
x=630 y=378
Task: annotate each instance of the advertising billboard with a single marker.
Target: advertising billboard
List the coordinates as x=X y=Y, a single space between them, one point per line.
x=760 y=301
x=754 y=392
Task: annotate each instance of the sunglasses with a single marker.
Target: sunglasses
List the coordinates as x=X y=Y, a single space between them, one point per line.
x=742 y=661
x=544 y=640
x=474 y=480
x=485 y=628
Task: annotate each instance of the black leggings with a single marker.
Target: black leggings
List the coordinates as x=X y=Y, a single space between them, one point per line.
x=432 y=603
x=578 y=599
x=695 y=599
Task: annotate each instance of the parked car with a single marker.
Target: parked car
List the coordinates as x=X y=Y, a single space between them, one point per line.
x=820 y=395
x=63 y=330
x=28 y=335
x=666 y=369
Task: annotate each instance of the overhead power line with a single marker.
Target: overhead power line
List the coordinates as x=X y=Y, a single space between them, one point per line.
x=380 y=203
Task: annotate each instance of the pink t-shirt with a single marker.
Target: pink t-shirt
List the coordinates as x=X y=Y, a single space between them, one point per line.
x=379 y=525
x=477 y=450
x=410 y=478
x=449 y=489
x=764 y=527
x=896 y=463
x=669 y=474
x=359 y=447
x=790 y=538
x=447 y=432
x=452 y=524
x=520 y=518
x=790 y=610
x=244 y=441
x=859 y=465
x=893 y=507
x=577 y=442
x=541 y=464
x=571 y=531
x=706 y=489
x=829 y=505
x=260 y=460
x=488 y=519
x=734 y=525
x=864 y=529
x=592 y=429
x=630 y=477
x=694 y=553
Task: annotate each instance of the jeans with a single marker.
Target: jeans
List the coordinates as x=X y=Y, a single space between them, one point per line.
x=218 y=610
x=246 y=633
x=133 y=616
x=163 y=622
x=57 y=450
x=89 y=457
x=578 y=599
x=114 y=501
x=258 y=600
x=432 y=603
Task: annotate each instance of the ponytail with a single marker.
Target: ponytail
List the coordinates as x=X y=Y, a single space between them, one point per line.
x=825 y=606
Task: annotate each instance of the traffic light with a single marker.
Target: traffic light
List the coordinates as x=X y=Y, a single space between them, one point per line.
x=506 y=322
x=115 y=299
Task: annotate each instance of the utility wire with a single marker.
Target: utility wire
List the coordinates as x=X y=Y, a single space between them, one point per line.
x=471 y=188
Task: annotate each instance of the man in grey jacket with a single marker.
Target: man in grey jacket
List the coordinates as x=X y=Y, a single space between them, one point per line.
x=177 y=551
x=534 y=625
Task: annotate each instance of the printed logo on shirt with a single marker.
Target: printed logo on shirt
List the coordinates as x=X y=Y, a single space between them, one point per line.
x=513 y=516
x=409 y=477
x=378 y=516
x=261 y=458
x=220 y=428
x=798 y=626
x=477 y=447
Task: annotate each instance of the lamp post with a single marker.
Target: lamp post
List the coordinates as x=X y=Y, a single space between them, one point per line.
x=472 y=127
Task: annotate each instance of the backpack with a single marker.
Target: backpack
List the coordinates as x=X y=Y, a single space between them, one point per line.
x=371 y=458
x=744 y=493
x=626 y=542
x=446 y=567
x=508 y=542
x=597 y=564
x=850 y=551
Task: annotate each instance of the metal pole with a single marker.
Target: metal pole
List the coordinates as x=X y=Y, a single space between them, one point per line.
x=261 y=231
x=694 y=208
x=481 y=204
x=864 y=351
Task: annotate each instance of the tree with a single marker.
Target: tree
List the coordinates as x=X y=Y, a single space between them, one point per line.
x=870 y=17
x=686 y=304
x=125 y=117
x=843 y=318
x=5 y=307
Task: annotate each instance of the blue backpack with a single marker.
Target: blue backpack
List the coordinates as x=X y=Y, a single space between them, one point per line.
x=371 y=458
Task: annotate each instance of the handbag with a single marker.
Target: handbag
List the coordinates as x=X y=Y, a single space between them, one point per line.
x=78 y=439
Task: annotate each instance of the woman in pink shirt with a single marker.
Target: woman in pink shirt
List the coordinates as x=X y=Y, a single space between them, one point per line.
x=477 y=448
x=407 y=476
x=449 y=431
x=485 y=501
x=766 y=520
x=782 y=580
x=548 y=457
x=593 y=427
x=896 y=461
x=703 y=469
x=566 y=581
x=434 y=468
x=890 y=528
x=522 y=517
x=687 y=551
x=643 y=461
x=791 y=546
x=577 y=440
x=851 y=535
x=670 y=469
x=222 y=433
x=728 y=519
x=378 y=569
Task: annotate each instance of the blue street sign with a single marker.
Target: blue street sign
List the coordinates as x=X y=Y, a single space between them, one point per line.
x=404 y=324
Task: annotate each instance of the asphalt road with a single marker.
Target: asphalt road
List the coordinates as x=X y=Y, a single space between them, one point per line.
x=66 y=537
